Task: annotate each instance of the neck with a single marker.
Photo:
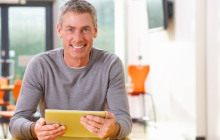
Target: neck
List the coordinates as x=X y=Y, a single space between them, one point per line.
x=75 y=62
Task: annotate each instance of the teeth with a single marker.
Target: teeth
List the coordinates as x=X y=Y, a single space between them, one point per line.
x=78 y=46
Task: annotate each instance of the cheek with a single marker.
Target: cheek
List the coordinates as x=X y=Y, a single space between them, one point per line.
x=89 y=38
x=67 y=37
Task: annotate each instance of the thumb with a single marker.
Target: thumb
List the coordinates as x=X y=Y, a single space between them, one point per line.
x=41 y=121
x=109 y=115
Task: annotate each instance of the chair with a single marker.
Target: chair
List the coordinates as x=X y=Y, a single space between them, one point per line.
x=15 y=91
x=138 y=76
x=11 y=108
x=3 y=81
x=6 y=114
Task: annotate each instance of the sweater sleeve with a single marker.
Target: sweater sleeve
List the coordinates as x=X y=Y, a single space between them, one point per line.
x=117 y=98
x=30 y=94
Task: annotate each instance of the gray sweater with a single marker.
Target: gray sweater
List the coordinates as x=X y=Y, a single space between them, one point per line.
x=49 y=82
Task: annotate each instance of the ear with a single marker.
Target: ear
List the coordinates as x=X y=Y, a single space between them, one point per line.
x=59 y=31
x=96 y=31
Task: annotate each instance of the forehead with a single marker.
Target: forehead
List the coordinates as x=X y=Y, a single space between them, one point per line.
x=77 y=19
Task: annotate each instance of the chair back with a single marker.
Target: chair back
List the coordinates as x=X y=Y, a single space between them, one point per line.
x=17 y=88
x=138 y=76
x=3 y=81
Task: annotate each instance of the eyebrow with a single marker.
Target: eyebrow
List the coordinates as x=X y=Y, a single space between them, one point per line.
x=69 y=26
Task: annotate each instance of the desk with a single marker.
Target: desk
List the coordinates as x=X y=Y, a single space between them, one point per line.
x=129 y=88
x=129 y=85
x=75 y=138
x=6 y=87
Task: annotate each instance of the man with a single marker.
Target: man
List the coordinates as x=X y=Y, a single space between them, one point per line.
x=75 y=77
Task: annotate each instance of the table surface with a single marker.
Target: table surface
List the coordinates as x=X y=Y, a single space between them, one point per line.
x=6 y=87
x=75 y=138
x=129 y=85
x=10 y=87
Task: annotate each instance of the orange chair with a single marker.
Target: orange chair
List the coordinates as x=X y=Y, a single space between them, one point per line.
x=9 y=114
x=15 y=91
x=3 y=81
x=138 y=76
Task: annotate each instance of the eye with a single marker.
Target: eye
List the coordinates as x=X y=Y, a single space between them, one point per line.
x=85 y=30
x=70 y=30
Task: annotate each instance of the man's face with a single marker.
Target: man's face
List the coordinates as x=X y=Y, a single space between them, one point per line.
x=77 y=32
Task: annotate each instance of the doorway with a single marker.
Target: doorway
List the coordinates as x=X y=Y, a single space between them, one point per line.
x=26 y=30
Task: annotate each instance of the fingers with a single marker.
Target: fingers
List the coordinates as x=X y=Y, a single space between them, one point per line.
x=59 y=134
x=95 y=118
x=97 y=121
x=92 y=121
x=51 y=133
x=48 y=131
x=94 y=125
x=54 y=136
x=92 y=129
x=99 y=133
x=41 y=121
x=106 y=126
x=49 y=127
x=109 y=115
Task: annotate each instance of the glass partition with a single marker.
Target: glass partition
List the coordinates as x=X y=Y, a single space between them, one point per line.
x=106 y=21
x=27 y=37
x=27 y=30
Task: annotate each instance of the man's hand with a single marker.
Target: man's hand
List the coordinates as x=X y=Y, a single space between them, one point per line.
x=101 y=127
x=42 y=131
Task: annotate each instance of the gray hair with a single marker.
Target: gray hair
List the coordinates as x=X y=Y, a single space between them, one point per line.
x=78 y=6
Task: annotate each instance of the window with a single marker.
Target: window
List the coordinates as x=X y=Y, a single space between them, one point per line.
x=27 y=35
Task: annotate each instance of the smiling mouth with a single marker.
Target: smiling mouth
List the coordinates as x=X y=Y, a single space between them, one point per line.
x=78 y=47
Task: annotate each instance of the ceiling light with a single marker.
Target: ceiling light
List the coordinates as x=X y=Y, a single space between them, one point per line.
x=12 y=1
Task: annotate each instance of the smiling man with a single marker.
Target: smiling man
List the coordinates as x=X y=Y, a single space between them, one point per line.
x=75 y=77
x=77 y=31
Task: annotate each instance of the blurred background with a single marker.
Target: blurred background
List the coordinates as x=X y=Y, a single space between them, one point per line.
x=178 y=39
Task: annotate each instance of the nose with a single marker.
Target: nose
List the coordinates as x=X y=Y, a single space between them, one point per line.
x=77 y=37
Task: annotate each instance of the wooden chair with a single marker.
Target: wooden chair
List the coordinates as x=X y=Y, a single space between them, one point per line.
x=138 y=76
x=3 y=81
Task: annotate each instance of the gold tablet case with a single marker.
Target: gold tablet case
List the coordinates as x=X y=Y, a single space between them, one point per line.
x=71 y=119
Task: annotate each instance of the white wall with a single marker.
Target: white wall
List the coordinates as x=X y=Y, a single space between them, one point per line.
x=120 y=29
x=213 y=69
x=171 y=56
x=138 y=37
x=138 y=44
x=201 y=68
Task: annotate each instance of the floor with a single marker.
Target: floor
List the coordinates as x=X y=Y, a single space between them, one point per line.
x=154 y=133
x=150 y=133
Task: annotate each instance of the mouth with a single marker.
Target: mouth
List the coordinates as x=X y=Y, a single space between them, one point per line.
x=78 y=47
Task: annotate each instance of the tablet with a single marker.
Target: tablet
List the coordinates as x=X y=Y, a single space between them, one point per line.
x=71 y=119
